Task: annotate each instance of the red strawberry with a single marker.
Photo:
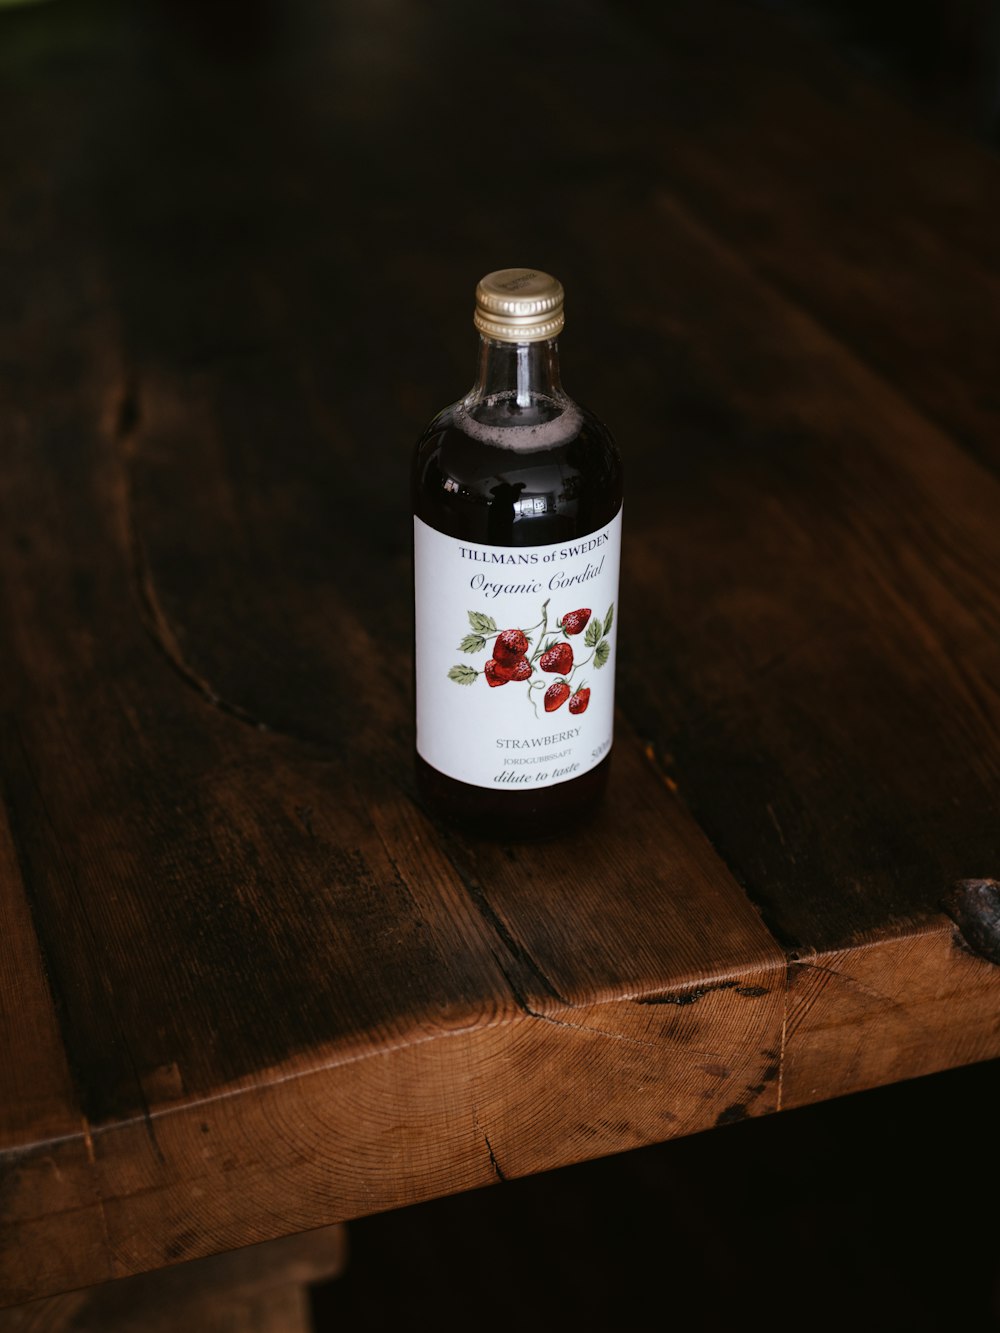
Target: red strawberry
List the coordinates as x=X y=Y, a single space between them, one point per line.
x=556 y=695
x=521 y=669
x=559 y=658
x=574 y=621
x=579 y=701
x=496 y=674
x=510 y=645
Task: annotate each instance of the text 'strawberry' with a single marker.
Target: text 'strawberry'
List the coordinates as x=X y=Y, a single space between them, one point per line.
x=559 y=658
x=510 y=645
x=574 y=621
x=556 y=695
x=579 y=701
x=496 y=674
x=521 y=669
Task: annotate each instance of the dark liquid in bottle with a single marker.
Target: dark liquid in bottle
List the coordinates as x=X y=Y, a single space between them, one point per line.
x=563 y=481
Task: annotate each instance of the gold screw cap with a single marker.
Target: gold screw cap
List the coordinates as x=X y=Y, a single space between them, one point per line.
x=519 y=305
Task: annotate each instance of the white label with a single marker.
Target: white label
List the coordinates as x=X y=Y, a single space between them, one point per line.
x=515 y=656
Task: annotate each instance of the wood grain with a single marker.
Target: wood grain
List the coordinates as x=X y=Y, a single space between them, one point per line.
x=841 y=196
x=39 y=1094
x=811 y=630
x=885 y=1011
x=830 y=681
x=465 y=1093
x=259 y=1289
x=285 y=998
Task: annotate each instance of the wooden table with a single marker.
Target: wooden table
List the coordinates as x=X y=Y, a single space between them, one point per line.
x=248 y=988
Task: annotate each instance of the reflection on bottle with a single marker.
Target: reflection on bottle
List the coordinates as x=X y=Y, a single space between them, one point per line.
x=501 y=513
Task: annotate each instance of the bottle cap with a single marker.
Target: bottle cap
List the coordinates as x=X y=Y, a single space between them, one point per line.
x=519 y=305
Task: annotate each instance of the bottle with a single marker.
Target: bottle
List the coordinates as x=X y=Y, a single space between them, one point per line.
x=517 y=502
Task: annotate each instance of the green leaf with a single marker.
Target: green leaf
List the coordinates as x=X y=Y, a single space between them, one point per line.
x=472 y=643
x=609 y=618
x=482 y=624
x=592 y=634
x=463 y=675
x=601 y=653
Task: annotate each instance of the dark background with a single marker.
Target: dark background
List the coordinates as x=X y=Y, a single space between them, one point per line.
x=943 y=55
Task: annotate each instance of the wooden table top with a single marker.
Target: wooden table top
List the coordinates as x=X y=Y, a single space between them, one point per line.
x=247 y=986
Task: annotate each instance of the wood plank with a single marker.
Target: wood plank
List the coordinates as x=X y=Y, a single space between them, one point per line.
x=827 y=690
x=890 y=1010
x=765 y=474
x=813 y=631
x=39 y=1096
x=466 y=1098
x=441 y=1115
x=698 y=1223
x=46 y=1157
x=848 y=200
x=259 y=1289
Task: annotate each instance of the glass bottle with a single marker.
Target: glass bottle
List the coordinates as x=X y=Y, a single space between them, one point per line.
x=517 y=497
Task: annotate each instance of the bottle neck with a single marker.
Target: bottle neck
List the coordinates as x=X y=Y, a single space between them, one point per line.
x=517 y=381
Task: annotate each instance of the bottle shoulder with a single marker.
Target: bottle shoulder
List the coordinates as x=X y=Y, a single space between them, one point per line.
x=576 y=438
x=527 y=484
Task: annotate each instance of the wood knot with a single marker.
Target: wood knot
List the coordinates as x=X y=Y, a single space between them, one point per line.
x=974 y=906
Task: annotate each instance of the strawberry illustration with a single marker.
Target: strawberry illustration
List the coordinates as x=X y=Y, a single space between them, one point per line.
x=574 y=621
x=510 y=645
x=556 y=695
x=579 y=701
x=496 y=674
x=559 y=658
x=521 y=669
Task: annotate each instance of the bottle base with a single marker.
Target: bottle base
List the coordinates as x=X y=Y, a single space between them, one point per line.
x=512 y=816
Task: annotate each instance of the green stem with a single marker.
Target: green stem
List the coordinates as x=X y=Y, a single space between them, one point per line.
x=576 y=665
x=539 y=683
x=544 y=619
x=544 y=623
